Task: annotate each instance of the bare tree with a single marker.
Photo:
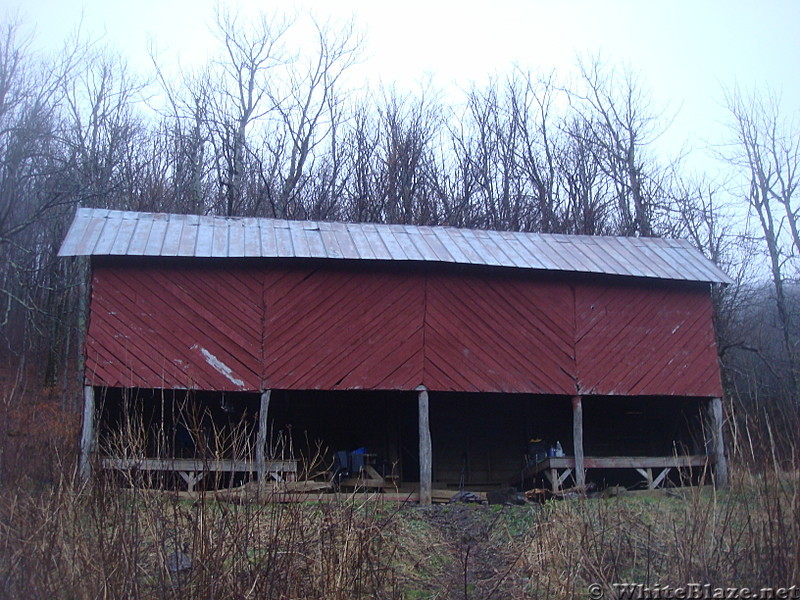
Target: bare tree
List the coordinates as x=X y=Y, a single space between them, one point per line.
x=30 y=94
x=766 y=150
x=409 y=133
x=100 y=128
x=311 y=109
x=245 y=94
x=619 y=124
x=34 y=202
x=589 y=204
x=532 y=105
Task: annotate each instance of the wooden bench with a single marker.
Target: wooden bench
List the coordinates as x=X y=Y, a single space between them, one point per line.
x=192 y=470
x=558 y=469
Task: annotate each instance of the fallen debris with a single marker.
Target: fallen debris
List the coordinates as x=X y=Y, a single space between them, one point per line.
x=466 y=497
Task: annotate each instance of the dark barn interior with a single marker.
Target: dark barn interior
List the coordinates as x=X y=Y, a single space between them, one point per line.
x=480 y=441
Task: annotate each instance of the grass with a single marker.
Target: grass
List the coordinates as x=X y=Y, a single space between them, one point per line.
x=745 y=536
x=68 y=541
x=62 y=540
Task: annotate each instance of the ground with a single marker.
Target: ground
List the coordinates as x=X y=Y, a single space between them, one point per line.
x=67 y=541
x=481 y=548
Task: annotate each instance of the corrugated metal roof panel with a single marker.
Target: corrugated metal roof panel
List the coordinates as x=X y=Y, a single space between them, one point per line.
x=188 y=243
x=525 y=249
x=390 y=242
x=283 y=239
x=375 y=241
x=345 y=241
x=269 y=245
x=454 y=252
x=109 y=234
x=104 y=232
x=465 y=240
x=91 y=232
x=405 y=242
x=122 y=242
x=332 y=249
x=316 y=245
x=252 y=237
x=236 y=239
x=155 y=243
x=300 y=241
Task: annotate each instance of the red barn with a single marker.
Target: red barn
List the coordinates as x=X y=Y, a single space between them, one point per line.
x=443 y=351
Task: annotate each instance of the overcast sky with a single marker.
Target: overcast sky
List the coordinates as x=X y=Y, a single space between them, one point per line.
x=684 y=50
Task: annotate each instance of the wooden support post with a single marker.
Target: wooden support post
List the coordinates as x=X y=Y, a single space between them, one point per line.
x=87 y=433
x=718 y=442
x=577 y=440
x=425 y=455
x=261 y=437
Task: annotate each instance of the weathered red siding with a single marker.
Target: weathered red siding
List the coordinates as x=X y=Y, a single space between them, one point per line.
x=339 y=326
x=496 y=333
x=637 y=340
x=187 y=327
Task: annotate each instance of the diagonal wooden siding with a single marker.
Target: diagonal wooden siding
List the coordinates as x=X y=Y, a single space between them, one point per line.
x=326 y=326
x=188 y=327
x=498 y=334
x=634 y=340
x=333 y=328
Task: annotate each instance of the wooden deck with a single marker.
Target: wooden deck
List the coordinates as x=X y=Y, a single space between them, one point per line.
x=653 y=469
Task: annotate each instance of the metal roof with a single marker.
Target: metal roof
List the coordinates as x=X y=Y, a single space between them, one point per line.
x=100 y=232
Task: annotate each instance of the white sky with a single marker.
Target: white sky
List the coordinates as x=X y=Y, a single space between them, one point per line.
x=684 y=50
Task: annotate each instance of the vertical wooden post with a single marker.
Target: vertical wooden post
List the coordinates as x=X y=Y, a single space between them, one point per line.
x=84 y=269
x=261 y=438
x=577 y=439
x=718 y=442
x=425 y=456
x=87 y=433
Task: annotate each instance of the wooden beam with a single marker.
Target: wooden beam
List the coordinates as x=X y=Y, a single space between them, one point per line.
x=261 y=438
x=87 y=433
x=577 y=440
x=718 y=442
x=425 y=453
x=222 y=465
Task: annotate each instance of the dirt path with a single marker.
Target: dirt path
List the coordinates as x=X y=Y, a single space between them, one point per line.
x=484 y=545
